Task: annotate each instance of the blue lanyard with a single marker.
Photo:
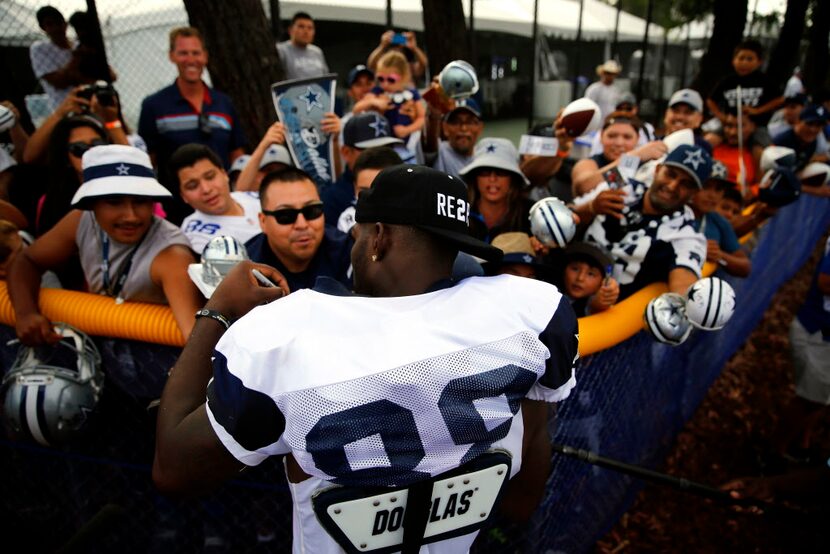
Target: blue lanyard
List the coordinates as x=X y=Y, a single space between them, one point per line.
x=114 y=289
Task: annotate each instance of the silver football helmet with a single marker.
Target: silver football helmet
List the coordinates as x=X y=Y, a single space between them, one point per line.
x=219 y=256
x=50 y=391
x=552 y=222
x=458 y=79
x=774 y=156
x=710 y=303
x=665 y=319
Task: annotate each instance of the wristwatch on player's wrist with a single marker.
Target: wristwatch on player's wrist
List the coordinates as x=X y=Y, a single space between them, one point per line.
x=214 y=315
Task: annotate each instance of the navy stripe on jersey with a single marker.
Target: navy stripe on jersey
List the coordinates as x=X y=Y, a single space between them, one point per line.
x=250 y=417
x=561 y=336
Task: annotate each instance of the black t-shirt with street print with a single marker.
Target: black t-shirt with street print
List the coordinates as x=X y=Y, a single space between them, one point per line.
x=756 y=90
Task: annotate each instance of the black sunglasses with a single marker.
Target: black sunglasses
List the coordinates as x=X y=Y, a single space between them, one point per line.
x=78 y=149
x=287 y=216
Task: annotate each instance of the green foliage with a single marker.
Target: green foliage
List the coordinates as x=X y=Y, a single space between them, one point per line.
x=667 y=14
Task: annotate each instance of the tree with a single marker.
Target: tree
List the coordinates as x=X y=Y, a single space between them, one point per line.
x=243 y=60
x=817 y=59
x=445 y=31
x=784 y=56
x=730 y=18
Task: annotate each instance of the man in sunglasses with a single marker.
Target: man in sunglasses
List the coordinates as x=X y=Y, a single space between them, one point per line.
x=295 y=238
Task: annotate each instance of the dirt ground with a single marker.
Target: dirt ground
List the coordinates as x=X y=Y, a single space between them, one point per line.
x=724 y=439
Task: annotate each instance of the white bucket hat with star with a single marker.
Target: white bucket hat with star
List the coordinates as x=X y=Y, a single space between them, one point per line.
x=117 y=170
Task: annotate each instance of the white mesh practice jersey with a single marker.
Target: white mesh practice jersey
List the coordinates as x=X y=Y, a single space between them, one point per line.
x=389 y=391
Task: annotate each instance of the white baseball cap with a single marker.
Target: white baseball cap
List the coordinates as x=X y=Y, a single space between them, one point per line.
x=276 y=153
x=687 y=96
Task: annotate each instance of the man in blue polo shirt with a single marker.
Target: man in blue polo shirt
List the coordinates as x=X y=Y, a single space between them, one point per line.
x=188 y=111
x=295 y=238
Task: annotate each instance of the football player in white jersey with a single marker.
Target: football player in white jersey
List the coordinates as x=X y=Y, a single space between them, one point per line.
x=401 y=433
x=204 y=185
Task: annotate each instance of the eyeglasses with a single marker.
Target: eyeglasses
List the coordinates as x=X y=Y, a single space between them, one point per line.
x=78 y=149
x=391 y=79
x=287 y=216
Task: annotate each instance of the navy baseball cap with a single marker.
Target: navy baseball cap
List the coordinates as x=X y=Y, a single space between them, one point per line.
x=813 y=113
x=357 y=71
x=367 y=130
x=692 y=159
x=425 y=198
x=467 y=105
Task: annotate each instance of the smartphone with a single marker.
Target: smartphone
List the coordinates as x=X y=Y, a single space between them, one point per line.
x=398 y=39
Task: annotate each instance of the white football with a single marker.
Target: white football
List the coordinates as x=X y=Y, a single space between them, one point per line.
x=815 y=174
x=581 y=116
x=710 y=303
x=777 y=155
x=552 y=222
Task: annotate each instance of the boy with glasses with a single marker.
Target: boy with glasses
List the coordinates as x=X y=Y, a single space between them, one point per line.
x=295 y=239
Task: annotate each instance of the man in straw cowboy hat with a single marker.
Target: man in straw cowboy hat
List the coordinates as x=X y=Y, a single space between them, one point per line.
x=604 y=92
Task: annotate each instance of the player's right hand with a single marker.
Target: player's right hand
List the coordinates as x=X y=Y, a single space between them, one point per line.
x=240 y=292
x=609 y=202
x=35 y=330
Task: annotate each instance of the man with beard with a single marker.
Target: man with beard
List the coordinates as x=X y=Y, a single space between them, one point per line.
x=650 y=231
x=461 y=128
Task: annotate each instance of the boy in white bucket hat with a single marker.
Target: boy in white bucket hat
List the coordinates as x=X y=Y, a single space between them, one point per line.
x=126 y=252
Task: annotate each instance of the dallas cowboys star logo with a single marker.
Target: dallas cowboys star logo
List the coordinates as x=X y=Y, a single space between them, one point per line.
x=123 y=169
x=380 y=126
x=694 y=157
x=491 y=148
x=311 y=99
x=527 y=259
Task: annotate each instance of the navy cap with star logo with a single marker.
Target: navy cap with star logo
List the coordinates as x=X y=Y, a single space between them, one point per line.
x=367 y=130
x=692 y=159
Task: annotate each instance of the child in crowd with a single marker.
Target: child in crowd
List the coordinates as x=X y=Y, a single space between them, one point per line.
x=402 y=106
x=586 y=278
x=519 y=257
x=760 y=97
x=722 y=246
x=731 y=205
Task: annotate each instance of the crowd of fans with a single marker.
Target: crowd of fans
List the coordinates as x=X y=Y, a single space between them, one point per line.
x=123 y=214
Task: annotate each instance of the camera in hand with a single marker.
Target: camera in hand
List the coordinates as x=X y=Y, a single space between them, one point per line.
x=100 y=89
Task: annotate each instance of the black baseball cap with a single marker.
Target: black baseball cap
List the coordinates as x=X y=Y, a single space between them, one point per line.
x=355 y=72
x=367 y=130
x=427 y=199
